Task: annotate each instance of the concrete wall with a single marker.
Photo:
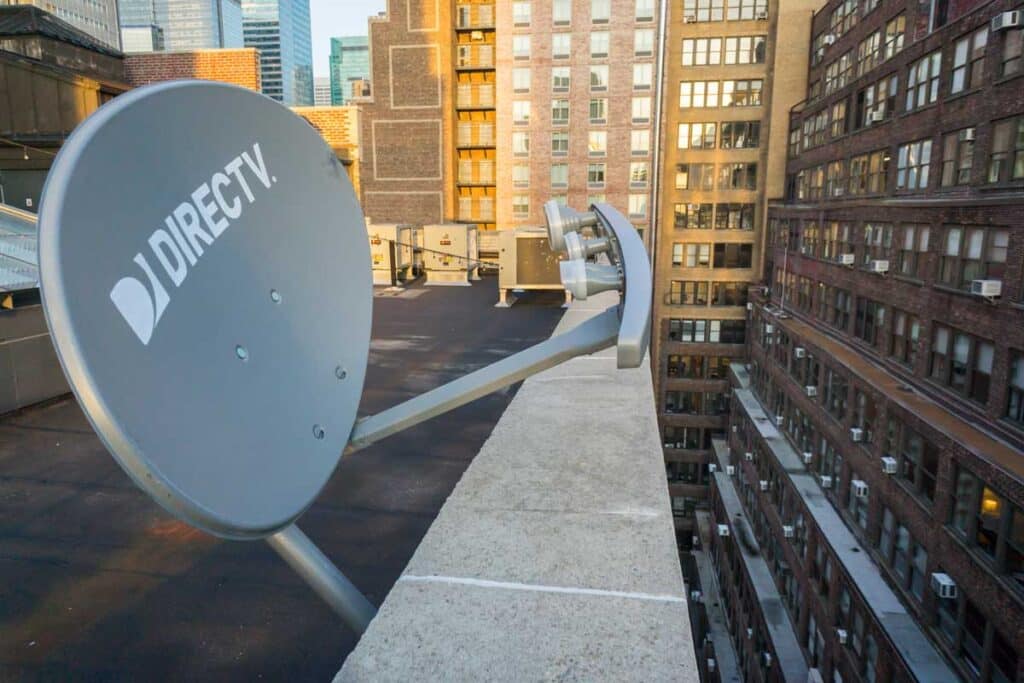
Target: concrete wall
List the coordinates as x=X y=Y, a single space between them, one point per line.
x=29 y=369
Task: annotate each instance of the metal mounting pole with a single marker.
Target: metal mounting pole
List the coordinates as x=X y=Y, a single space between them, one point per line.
x=323 y=577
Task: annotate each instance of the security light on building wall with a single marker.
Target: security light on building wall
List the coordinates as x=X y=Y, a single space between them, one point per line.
x=210 y=301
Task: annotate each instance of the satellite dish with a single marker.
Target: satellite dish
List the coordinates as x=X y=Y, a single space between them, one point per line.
x=206 y=277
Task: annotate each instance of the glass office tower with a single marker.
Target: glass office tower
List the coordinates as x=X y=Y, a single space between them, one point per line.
x=350 y=61
x=280 y=30
x=186 y=24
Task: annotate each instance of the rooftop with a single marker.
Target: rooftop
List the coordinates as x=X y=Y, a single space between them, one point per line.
x=28 y=20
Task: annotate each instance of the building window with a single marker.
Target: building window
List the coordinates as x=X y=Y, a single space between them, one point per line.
x=742 y=93
x=520 y=47
x=643 y=42
x=869 y=53
x=560 y=79
x=638 y=174
x=521 y=112
x=640 y=142
x=702 y=51
x=696 y=256
x=858 y=507
x=599 y=77
x=598 y=110
x=837 y=119
x=695 y=176
x=561 y=45
x=559 y=143
x=595 y=175
x=644 y=10
x=521 y=79
x=733 y=255
x=957 y=157
x=559 y=175
x=835 y=396
x=962 y=362
x=520 y=143
x=599 y=44
x=729 y=294
x=734 y=216
x=638 y=206
x=1012 y=51
x=688 y=293
x=741 y=134
x=703 y=10
x=895 y=29
x=923 y=81
x=1015 y=395
x=912 y=165
x=744 y=50
x=973 y=254
x=696 y=136
x=969 y=61
x=561 y=12
x=521 y=205
x=744 y=10
x=1007 y=160
x=641 y=109
x=693 y=216
x=643 y=76
x=918 y=458
x=521 y=13
x=520 y=175
x=914 y=247
x=869 y=319
x=559 y=112
x=698 y=94
x=597 y=143
x=737 y=176
x=600 y=11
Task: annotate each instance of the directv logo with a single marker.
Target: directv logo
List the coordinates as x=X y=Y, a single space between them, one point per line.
x=180 y=245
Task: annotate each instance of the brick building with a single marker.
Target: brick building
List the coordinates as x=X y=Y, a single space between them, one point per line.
x=339 y=127
x=876 y=453
x=240 y=66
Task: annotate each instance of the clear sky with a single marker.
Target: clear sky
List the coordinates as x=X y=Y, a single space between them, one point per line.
x=330 y=18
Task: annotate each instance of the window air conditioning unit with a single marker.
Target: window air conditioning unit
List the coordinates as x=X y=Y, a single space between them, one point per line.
x=856 y=434
x=780 y=420
x=943 y=585
x=766 y=658
x=860 y=488
x=730 y=470
x=879 y=266
x=811 y=391
x=829 y=39
x=477 y=35
x=712 y=467
x=711 y=665
x=787 y=531
x=761 y=15
x=750 y=306
x=1006 y=20
x=966 y=135
x=769 y=329
x=841 y=636
x=723 y=530
x=826 y=481
x=799 y=352
x=847 y=259
x=763 y=484
x=750 y=633
x=988 y=288
x=808 y=457
x=889 y=465
x=877 y=115
x=689 y=18
x=694 y=596
x=695 y=541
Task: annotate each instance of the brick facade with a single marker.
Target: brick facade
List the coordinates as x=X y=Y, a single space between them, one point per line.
x=240 y=66
x=339 y=127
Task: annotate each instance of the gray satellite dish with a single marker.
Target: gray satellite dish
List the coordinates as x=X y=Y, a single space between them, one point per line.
x=205 y=272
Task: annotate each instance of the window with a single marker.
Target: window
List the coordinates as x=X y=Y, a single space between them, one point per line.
x=1015 y=395
x=693 y=216
x=520 y=143
x=912 y=165
x=738 y=176
x=1007 y=160
x=869 y=319
x=520 y=47
x=839 y=313
x=918 y=458
x=969 y=61
x=521 y=79
x=561 y=11
x=637 y=205
x=835 y=179
x=599 y=77
x=915 y=245
x=559 y=112
x=644 y=10
x=688 y=293
x=520 y=175
x=695 y=176
x=638 y=172
x=923 y=81
x=560 y=79
x=869 y=53
x=640 y=142
x=559 y=175
x=729 y=294
x=641 y=109
x=733 y=255
x=599 y=44
x=1013 y=49
x=597 y=143
x=692 y=255
x=521 y=111
x=698 y=94
x=865 y=415
x=957 y=157
x=561 y=45
x=973 y=254
x=696 y=136
x=559 y=143
x=895 y=29
x=741 y=134
x=747 y=9
x=702 y=51
x=962 y=362
x=595 y=174
x=521 y=13
x=743 y=93
x=734 y=217
x=876 y=102
x=744 y=50
x=836 y=390
x=877 y=241
x=600 y=11
x=837 y=119
x=643 y=76
x=703 y=10
x=643 y=42
x=521 y=205
x=598 y=110
x=858 y=506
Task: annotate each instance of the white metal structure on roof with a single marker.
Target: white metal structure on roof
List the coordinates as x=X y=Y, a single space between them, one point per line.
x=19 y=252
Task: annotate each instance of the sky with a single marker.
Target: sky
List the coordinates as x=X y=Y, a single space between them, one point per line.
x=331 y=18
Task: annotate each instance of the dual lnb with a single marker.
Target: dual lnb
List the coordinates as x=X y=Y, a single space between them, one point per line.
x=580 y=277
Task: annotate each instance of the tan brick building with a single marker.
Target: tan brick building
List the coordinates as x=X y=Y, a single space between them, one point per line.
x=339 y=126
x=240 y=66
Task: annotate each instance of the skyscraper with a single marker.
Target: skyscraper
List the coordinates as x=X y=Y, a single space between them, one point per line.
x=280 y=30
x=322 y=91
x=350 y=61
x=98 y=18
x=181 y=24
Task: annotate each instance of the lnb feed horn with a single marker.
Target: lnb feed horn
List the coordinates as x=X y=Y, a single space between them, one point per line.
x=193 y=329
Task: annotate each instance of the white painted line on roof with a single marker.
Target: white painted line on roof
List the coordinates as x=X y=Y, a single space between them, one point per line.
x=538 y=588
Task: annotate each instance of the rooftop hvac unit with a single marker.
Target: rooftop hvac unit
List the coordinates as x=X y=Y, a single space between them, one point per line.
x=417 y=250
x=889 y=465
x=799 y=352
x=808 y=457
x=450 y=253
x=787 y=531
x=811 y=390
x=723 y=529
x=1007 y=20
x=987 y=288
x=856 y=434
x=880 y=266
x=943 y=585
x=841 y=636
x=780 y=420
x=490 y=249
x=391 y=252
x=749 y=455
x=860 y=488
x=763 y=484
x=825 y=481
x=525 y=261
x=847 y=259
x=730 y=470
x=712 y=467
